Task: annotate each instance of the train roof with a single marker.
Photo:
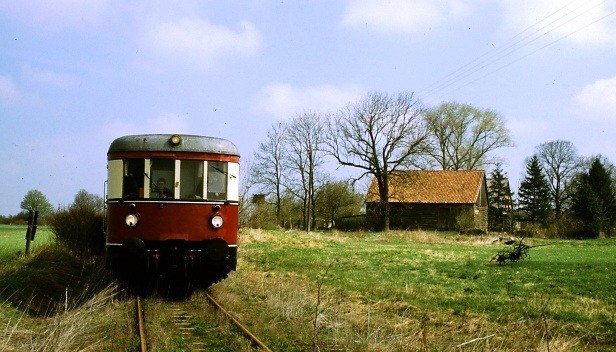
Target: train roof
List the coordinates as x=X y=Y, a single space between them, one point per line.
x=163 y=143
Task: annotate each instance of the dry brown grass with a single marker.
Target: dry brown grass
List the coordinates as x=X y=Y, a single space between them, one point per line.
x=100 y=324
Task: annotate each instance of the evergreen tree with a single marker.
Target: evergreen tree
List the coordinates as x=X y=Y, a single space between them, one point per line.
x=499 y=197
x=594 y=202
x=534 y=194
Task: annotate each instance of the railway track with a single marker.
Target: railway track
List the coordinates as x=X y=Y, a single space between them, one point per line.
x=140 y=321
x=186 y=326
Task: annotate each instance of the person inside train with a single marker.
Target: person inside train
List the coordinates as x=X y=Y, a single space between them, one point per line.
x=162 y=190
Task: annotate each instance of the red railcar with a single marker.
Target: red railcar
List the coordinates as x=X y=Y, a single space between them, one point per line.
x=172 y=207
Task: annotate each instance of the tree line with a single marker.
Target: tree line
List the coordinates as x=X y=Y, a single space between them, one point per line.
x=561 y=194
x=34 y=199
x=376 y=136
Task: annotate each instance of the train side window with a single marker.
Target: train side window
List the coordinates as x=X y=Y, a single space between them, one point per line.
x=191 y=179
x=162 y=178
x=233 y=192
x=115 y=177
x=132 y=186
x=217 y=180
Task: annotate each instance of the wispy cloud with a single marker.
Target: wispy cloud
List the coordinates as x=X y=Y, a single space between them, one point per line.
x=585 y=22
x=200 y=43
x=51 y=16
x=283 y=101
x=9 y=94
x=49 y=77
x=402 y=16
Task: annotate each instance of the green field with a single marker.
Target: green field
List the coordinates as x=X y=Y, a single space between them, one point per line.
x=13 y=243
x=426 y=291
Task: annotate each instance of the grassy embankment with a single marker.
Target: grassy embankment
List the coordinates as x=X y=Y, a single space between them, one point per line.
x=55 y=301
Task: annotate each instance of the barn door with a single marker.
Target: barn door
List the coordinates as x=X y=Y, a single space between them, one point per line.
x=444 y=218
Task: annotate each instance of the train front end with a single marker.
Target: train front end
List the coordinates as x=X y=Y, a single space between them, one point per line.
x=172 y=208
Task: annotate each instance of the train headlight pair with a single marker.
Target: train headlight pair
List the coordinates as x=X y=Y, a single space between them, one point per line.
x=131 y=220
x=216 y=221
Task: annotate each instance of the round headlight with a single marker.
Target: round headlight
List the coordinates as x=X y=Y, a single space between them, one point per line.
x=131 y=220
x=217 y=221
x=175 y=140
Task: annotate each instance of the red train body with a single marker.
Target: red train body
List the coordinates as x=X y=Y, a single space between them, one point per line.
x=172 y=207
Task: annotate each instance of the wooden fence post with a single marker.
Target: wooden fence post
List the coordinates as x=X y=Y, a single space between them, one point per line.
x=31 y=231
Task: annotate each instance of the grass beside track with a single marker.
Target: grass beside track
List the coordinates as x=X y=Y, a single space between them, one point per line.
x=423 y=291
x=54 y=301
x=362 y=291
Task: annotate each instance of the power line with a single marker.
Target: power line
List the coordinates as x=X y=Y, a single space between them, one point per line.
x=491 y=57
x=491 y=52
x=540 y=48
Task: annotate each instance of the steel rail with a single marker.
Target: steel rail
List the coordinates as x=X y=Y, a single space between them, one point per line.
x=143 y=347
x=239 y=325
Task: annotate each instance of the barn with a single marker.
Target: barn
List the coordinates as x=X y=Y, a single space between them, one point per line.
x=433 y=200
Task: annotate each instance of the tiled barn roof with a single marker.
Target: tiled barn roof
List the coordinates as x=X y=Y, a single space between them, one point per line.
x=419 y=186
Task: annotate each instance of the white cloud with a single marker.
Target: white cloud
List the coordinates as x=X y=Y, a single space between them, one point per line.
x=200 y=43
x=597 y=101
x=580 y=22
x=50 y=16
x=9 y=93
x=402 y=16
x=284 y=101
x=48 y=77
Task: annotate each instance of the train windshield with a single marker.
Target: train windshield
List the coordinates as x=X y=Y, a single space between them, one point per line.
x=217 y=180
x=178 y=179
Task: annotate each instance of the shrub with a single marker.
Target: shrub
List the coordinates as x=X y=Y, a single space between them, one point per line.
x=465 y=221
x=262 y=216
x=80 y=229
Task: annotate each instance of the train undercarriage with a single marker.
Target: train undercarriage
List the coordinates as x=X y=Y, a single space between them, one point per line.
x=174 y=265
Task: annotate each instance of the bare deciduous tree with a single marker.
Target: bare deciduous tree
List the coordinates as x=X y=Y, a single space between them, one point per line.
x=305 y=138
x=462 y=136
x=268 y=170
x=378 y=135
x=561 y=163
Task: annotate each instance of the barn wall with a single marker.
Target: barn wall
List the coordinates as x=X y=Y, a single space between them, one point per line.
x=407 y=216
x=481 y=218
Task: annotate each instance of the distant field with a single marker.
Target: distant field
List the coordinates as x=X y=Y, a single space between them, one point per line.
x=424 y=291
x=12 y=240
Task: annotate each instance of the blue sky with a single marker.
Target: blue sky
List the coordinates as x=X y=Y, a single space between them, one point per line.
x=74 y=75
